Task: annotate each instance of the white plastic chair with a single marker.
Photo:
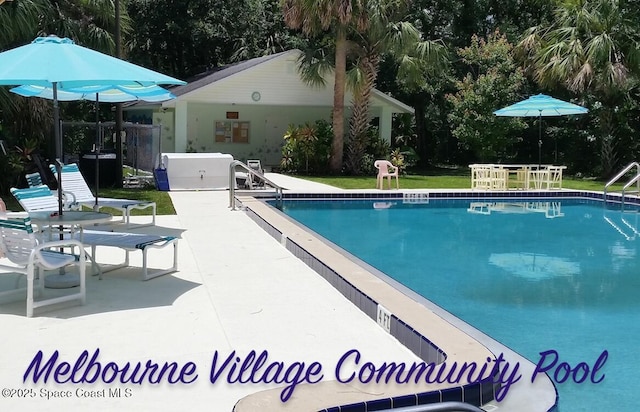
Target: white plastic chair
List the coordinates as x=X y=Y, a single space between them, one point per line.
x=539 y=179
x=481 y=176
x=555 y=177
x=386 y=170
x=499 y=178
x=31 y=257
x=252 y=180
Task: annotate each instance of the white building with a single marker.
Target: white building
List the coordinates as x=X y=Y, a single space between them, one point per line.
x=244 y=109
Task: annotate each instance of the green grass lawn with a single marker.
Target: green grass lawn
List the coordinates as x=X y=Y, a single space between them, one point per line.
x=162 y=199
x=441 y=179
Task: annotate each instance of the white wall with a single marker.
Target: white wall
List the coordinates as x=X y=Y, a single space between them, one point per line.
x=266 y=130
x=276 y=80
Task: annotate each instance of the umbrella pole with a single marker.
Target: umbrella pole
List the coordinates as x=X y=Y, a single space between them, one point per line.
x=97 y=152
x=58 y=138
x=540 y=141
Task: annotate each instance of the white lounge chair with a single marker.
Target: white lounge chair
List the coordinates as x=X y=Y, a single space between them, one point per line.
x=73 y=181
x=34 y=179
x=129 y=242
x=31 y=257
x=37 y=198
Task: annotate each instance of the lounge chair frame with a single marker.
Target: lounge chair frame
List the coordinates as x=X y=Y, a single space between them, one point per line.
x=130 y=242
x=74 y=182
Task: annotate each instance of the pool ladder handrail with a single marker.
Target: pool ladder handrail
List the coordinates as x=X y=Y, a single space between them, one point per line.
x=253 y=172
x=635 y=179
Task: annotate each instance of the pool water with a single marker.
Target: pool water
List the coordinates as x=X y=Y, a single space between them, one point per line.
x=559 y=275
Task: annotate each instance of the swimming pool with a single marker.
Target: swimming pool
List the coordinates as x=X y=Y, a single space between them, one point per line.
x=560 y=274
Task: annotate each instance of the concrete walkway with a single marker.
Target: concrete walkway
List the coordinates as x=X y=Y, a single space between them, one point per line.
x=238 y=290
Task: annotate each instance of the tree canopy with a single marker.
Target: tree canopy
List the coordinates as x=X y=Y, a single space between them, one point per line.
x=581 y=50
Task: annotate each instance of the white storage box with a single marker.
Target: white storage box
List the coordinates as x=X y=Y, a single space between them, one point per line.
x=197 y=171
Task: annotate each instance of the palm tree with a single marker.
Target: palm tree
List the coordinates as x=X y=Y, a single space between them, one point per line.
x=18 y=24
x=400 y=41
x=315 y=17
x=88 y=22
x=591 y=47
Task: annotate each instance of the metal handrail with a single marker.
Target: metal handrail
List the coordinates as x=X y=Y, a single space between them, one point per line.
x=232 y=182
x=438 y=407
x=635 y=179
x=622 y=173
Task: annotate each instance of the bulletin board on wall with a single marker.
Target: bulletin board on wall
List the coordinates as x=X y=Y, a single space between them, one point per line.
x=231 y=131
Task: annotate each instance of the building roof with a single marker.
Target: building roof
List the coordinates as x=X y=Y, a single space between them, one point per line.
x=212 y=76
x=219 y=73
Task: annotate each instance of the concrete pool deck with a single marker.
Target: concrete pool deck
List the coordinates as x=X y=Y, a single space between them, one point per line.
x=237 y=290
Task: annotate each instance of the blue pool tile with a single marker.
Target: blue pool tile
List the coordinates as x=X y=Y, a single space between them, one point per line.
x=432 y=354
x=429 y=397
x=394 y=326
x=354 y=407
x=379 y=405
x=452 y=395
x=486 y=391
x=405 y=400
x=471 y=394
x=424 y=348
x=414 y=341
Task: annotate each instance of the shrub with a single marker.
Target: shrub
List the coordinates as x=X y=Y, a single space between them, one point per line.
x=307 y=148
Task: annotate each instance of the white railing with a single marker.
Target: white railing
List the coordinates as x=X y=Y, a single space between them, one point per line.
x=252 y=172
x=634 y=180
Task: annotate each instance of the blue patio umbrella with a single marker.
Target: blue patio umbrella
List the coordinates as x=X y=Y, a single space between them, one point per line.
x=540 y=106
x=62 y=65
x=102 y=94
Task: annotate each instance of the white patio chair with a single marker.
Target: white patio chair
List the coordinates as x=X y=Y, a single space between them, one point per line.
x=555 y=177
x=481 y=176
x=254 y=181
x=387 y=170
x=73 y=182
x=499 y=178
x=539 y=179
x=522 y=178
x=31 y=257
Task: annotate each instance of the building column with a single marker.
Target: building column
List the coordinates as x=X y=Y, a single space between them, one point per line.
x=181 y=130
x=386 y=121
